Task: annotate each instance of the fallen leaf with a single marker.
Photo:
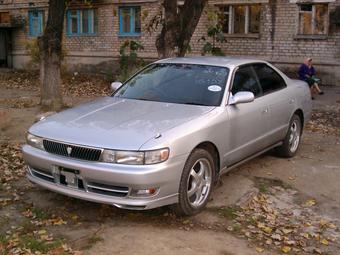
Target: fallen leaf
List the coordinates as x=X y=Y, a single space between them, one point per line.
x=331 y=225
x=285 y=249
x=305 y=235
x=324 y=241
x=310 y=202
x=323 y=222
x=42 y=232
x=259 y=249
x=276 y=237
x=287 y=230
x=269 y=241
x=58 y=222
x=268 y=230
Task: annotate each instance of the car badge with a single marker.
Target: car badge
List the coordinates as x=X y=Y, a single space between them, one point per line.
x=69 y=150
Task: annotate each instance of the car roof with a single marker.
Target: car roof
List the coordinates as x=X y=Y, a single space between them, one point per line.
x=213 y=61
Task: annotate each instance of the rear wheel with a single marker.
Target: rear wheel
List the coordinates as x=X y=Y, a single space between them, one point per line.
x=196 y=183
x=292 y=140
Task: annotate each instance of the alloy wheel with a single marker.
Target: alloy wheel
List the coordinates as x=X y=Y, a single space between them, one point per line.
x=294 y=136
x=199 y=182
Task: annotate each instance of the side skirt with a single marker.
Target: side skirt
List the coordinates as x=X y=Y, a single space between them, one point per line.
x=226 y=169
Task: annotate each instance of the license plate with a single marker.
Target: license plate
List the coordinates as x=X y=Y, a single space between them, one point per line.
x=69 y=177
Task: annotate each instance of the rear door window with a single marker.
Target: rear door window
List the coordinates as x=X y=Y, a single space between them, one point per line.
x=245 y=80
x=269 y=79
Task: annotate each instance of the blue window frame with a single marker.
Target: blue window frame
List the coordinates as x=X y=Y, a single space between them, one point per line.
x=82 y=22
x=130 y=21
x=36 y=23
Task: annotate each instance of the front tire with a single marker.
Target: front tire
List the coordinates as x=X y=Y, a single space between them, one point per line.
x=292 y=140
x=196 y=183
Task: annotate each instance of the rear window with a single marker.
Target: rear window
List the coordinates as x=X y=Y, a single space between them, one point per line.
x=269 y=79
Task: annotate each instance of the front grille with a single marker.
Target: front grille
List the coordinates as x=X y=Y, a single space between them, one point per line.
x=78 y=152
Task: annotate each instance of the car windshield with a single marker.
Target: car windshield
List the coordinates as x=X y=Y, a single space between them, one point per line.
x=177 y=83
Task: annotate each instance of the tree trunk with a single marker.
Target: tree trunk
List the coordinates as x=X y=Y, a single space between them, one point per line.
x=166 y=40
x=189 y=17
x=50 y=45
x=178 y=27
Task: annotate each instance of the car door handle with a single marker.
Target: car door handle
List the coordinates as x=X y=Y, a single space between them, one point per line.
x=265 y=110
x=291 y=101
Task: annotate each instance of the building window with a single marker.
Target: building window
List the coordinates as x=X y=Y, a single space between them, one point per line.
x=36 y=23
x=313 y=19
x=240 y=19
x=82 y=22
x=5 y=18
x=130 y=21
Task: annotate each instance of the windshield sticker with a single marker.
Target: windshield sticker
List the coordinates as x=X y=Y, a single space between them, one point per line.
x=214 y=88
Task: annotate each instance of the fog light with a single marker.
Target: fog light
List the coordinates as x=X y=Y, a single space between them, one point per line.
x=144 y=192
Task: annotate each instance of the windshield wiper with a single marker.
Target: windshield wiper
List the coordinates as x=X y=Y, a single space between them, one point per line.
x=143 y=99
x=194 y=103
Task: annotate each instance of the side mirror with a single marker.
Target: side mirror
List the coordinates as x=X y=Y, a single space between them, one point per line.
x=116 y=85
x=241 y=97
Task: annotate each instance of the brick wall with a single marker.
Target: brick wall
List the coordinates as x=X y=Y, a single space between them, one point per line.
x=107 y=42
x=278 y=43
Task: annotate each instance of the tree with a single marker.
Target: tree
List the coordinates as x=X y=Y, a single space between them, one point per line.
x=178 y=26
x=50 y=46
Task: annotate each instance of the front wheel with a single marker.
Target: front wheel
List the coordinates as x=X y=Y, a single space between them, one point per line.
x=292 y=140
x=196 y=183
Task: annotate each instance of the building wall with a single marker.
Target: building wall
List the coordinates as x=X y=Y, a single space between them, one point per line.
x=106 y=45
x=277 y=41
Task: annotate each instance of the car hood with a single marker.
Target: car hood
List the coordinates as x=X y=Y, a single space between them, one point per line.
x=116 y=123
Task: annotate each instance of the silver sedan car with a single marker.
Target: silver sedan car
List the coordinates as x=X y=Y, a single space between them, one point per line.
x=166 y=135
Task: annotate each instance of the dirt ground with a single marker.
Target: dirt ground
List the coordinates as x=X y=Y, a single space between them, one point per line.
x=267 y=206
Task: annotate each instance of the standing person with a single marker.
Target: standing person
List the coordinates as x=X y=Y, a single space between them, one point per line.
x=306 y=73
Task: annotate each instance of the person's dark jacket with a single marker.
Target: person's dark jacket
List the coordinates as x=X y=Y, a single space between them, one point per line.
x=305 y=72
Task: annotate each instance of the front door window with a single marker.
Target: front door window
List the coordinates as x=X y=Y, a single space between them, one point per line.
x=245 y=80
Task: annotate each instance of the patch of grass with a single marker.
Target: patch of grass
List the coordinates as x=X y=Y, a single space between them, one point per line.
x=40 y=214
x=35 y=245
x=3 y=239
x=252 y=221
x=27 y=227
x=237 y=228
x=263 y=188
x=92 y=241
x=226 y=212
x=263 y=184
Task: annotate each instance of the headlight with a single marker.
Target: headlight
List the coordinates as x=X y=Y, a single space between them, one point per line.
x=157 y=156
x=129 y=157
x=108 y=156
x=135 y=157
x=35 y=141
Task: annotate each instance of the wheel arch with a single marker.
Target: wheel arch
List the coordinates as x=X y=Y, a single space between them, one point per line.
x=299 y=113
x=213 y=150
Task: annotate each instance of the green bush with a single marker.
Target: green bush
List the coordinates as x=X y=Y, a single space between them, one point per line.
x=129 y=61
x=32 y=47
x=214 y=35
x=33 y=50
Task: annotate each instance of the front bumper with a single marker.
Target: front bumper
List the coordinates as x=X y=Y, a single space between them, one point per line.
x=104 y=182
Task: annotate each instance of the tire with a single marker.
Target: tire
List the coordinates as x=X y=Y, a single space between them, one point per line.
x=292 y=140
x=196 y=183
